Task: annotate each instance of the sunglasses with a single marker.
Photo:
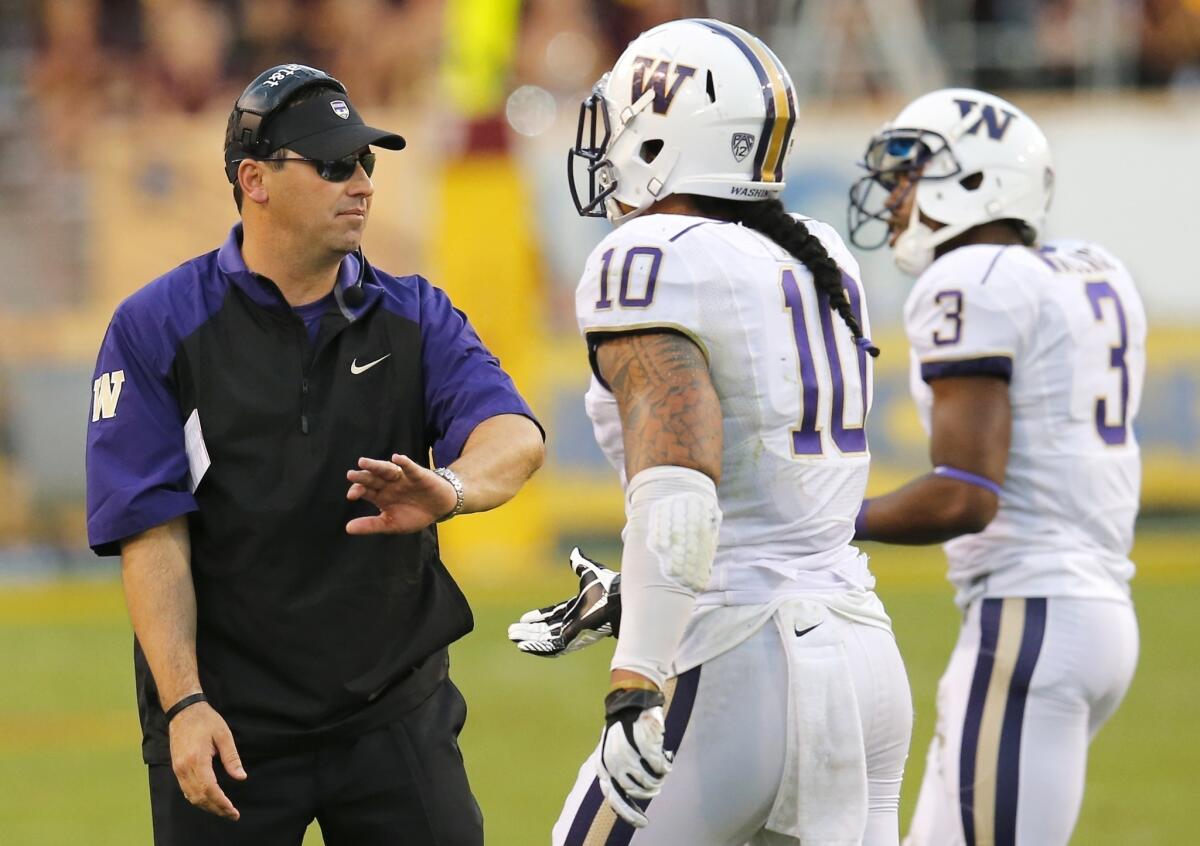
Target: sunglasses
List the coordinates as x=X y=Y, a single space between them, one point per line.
x=337 y=170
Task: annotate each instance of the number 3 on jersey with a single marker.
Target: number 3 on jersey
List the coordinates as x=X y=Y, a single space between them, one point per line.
x=1112 y=433
x=827 y=355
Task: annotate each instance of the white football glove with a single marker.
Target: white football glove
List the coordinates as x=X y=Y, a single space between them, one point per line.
x=590 y=616
x=632 y=762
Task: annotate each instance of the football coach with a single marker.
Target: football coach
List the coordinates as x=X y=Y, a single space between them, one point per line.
x=258 y=455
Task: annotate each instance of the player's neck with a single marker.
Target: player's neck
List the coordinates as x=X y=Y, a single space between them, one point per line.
x=674 y=204
x=300 y=277
x=993 y=232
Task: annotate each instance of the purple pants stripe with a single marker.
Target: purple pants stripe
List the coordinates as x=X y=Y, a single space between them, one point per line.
x=1010 y=640
x=592 y=800
x=679 y=712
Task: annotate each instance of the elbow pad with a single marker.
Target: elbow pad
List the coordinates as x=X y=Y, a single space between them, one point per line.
x=672 y=524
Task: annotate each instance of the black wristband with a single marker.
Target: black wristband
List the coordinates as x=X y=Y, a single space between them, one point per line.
x=636 y=699
x=185 y=702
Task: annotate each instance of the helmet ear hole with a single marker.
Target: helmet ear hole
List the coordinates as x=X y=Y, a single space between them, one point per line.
x=650 y=150
x=710 y=88
x=972 y=182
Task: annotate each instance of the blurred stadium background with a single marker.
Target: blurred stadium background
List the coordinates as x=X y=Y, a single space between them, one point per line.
x=111 y=119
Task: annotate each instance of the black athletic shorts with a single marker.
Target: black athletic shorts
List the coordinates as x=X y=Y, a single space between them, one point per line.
x=403 y=783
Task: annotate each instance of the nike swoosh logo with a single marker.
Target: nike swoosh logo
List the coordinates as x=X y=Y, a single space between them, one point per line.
x=356 y=369
x=803 y=632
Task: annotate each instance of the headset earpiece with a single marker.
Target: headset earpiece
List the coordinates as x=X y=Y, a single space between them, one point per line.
x=269 y=91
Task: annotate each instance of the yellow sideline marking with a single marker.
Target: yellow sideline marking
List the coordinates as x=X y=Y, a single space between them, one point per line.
x=90 y=730
x=66 y=601
x=1161 y=557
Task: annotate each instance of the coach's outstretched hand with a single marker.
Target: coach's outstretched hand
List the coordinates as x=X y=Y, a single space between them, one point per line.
x=409 y=497
x=581 y=620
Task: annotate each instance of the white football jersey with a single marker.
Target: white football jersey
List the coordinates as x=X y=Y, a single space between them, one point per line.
x=1066 y=325
x=794 y=390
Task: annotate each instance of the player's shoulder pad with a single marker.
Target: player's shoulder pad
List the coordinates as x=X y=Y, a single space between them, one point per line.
x=659 y=229
x=828 y=235
x=1006 y=275
x=641 y=277
x=1079 y=253
x=975 y=306
x=972 y=266
x=833 y=243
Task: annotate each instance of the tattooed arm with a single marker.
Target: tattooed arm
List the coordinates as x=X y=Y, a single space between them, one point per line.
x=669 y=409
x=670 y=415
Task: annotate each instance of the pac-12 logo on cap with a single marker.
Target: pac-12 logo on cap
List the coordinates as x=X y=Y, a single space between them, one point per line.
x=340 y=108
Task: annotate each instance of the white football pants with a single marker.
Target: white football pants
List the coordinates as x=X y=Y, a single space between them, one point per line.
x=1029 y=684
x=731 y=713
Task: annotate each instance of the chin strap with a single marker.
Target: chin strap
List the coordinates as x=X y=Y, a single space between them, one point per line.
x=915 y=247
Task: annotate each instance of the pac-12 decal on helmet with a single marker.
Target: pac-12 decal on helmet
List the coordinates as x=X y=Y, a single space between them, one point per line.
x=969 y=157
x=654 y=127
x=741 y=144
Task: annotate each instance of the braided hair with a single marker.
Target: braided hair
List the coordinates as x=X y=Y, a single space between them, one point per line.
x=769 y=218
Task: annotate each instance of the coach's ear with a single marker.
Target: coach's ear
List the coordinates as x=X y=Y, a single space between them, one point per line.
x=250 y=175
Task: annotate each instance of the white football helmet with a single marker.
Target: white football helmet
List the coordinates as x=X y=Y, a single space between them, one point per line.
x=692 y=106
x=972 y=157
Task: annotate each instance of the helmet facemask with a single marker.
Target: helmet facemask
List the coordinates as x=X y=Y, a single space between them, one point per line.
x=601 y=182
x=649 y=168
x=914 y=157
x=892 y=155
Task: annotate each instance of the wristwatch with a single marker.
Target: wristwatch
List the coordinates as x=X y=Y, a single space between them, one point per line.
x=455 y=482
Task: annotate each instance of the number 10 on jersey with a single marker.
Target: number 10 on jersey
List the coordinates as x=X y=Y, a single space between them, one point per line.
x=806 y=440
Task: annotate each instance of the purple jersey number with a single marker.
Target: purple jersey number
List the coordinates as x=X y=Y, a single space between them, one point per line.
x=1113 y=435
x=953 y=313
x=604 y=301
x=806 y=440
x=626 y=299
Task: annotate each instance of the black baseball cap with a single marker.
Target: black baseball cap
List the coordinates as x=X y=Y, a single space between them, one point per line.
x=326 y=127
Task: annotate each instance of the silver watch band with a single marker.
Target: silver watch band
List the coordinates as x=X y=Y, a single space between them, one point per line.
x=455 y=482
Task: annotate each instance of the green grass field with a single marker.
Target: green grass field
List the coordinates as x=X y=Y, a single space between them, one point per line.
x=71 y=771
